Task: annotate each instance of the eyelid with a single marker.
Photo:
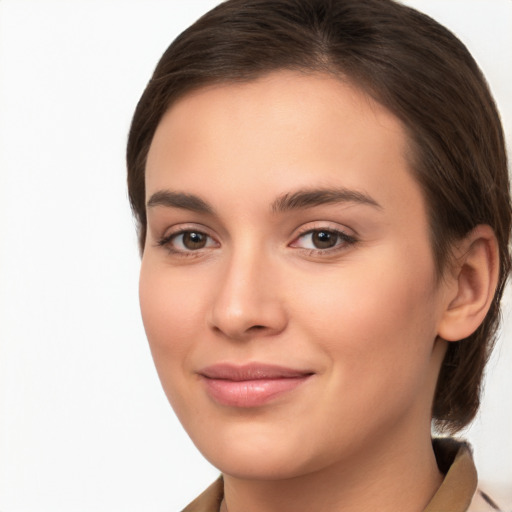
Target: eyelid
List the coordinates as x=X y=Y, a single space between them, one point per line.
x=347 y=237
x=319 y=225
x=180 y=229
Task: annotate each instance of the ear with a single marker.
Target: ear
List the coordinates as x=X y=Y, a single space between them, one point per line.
x=472 y=283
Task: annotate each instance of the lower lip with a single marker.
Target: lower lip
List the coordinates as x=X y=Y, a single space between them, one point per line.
x=250 y=393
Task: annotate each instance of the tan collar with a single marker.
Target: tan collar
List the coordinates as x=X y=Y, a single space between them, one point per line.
x=209 y=500
x=460 y=481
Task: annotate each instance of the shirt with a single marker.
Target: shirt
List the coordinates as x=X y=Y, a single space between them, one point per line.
x=457 y=493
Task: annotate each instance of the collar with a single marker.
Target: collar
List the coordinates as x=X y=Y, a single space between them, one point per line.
x=456 y=492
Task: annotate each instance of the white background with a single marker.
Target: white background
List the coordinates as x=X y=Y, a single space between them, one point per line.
x=84 y=425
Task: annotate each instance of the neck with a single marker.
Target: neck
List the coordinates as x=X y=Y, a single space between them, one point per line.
x=404 y=477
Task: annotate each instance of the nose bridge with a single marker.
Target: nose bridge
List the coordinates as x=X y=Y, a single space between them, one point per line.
x=246 y=301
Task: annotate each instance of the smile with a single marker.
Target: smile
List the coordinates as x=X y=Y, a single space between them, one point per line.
x=250 y=385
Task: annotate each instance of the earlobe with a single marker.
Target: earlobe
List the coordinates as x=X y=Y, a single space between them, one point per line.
x=475 y=277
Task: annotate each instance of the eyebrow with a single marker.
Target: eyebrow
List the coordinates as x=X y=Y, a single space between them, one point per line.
x=310 y=198
x=301 y=199
x=179 y=200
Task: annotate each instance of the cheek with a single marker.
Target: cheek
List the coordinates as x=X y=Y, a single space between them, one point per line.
x=375 y=321
x=170 y=299
x=172 y=314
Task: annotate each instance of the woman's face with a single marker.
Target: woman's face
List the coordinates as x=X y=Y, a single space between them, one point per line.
x=288 y=288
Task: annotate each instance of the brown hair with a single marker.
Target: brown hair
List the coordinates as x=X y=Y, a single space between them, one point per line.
x=410 y=64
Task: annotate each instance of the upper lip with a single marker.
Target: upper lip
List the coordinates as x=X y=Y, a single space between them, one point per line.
x=251 y=371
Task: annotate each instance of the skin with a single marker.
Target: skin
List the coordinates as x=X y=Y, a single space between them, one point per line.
x=363 y=316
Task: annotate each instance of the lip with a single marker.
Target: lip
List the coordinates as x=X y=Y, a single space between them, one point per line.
x=250 y=385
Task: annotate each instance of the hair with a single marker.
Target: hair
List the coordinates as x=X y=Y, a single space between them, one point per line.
x=410 y=64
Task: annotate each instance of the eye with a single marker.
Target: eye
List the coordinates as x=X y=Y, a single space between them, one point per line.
x=322 y=239
x=187 y=241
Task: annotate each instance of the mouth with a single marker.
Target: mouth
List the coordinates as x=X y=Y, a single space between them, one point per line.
x=251 y=385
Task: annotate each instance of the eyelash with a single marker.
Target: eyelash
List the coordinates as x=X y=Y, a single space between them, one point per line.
x=343 y=241
x=166 y=242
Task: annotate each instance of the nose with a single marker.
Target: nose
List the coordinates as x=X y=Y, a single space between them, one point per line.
x=248 y=302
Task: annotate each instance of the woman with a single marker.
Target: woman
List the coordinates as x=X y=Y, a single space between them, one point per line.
x=323 y=205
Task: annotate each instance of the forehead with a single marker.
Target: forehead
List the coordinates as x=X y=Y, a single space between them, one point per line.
x=293 y=100
x=287 y=127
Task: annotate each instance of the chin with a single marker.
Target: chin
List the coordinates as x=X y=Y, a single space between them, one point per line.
x=259 y=466
x=260 y=455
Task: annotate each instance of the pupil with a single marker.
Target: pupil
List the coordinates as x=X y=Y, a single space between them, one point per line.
x=193 y=240
x=324 y=239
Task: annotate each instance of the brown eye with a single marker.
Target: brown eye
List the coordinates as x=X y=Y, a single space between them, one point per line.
x=187 y=241
x=324 y=239
x=193 y=240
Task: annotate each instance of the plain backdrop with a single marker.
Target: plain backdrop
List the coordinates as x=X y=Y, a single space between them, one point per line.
x=84 y=424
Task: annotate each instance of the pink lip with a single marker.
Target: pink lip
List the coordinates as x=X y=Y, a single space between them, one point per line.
x=250 y=385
